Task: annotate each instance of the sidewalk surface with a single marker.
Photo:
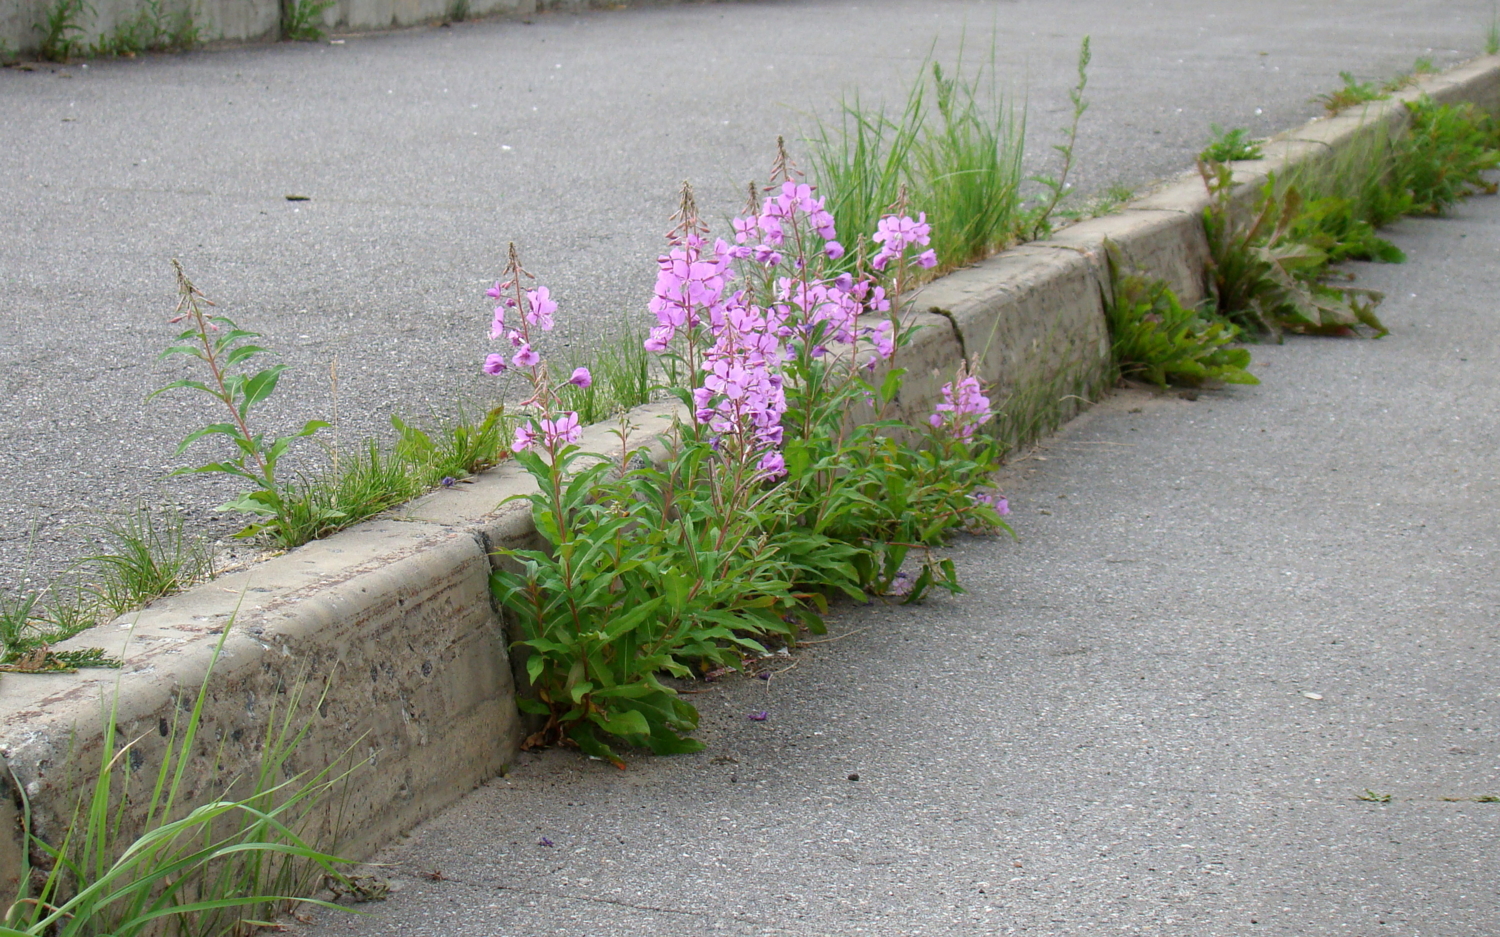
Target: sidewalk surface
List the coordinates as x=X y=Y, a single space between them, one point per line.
x=1226 y=620
x=424 y=152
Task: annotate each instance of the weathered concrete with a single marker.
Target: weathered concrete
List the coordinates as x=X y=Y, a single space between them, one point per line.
x=219 y=21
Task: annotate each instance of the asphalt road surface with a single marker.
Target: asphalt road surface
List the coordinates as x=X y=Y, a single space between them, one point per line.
x=422 y=153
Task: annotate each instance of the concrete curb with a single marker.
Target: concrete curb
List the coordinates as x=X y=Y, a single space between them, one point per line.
x=393 y=617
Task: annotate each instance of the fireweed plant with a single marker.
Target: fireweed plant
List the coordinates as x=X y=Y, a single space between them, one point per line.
x=770 y=499
x=223 y=346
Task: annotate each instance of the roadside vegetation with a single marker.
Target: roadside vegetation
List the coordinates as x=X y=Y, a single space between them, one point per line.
x=790 y=482
x=224 y=867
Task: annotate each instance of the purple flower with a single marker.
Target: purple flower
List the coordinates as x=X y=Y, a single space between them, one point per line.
x=900 y=585
x=542 y=308
x=964 y=407
x=764 y=254
x=760 y=716
x=448 y=481
x=772 y=464
x=564 y=429
x=744 y=229
x=525 y=438
x=834 y=250
x=494 y=364
x=993 y=499
x=660 y=338
x=927 y=259
x=581 y=378
x=498 y=290
x=497 y=326
x=880 y=336
x=526 y=358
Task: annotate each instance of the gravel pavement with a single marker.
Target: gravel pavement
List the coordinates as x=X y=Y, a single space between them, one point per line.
x=423 y=152
x=1233 y=625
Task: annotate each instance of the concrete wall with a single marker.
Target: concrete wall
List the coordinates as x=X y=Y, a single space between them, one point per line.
x=394 y=617
x=260 y=20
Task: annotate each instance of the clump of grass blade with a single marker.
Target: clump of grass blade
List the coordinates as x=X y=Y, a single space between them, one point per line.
x=955 y=147
x=302 y=20
x=1444 y=154
x=455 y=448
x=217 y=868
x=150 y=556
x=1157 y=339
x=1354 y=92
x=622 y=378
x=370 y=482
x=60 y=28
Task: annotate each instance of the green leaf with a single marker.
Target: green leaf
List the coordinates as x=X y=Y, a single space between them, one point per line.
x=259 y=386
x=241 y=353
x=583 y=736
x=892 y=384
x=629 y=722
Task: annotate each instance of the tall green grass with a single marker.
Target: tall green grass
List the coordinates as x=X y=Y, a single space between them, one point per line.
x=151 y=556
x=219 y=868
x=1426 y=167
x=623 y=377
x=955 y=146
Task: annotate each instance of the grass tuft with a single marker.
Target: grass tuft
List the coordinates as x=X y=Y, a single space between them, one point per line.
x=955 y=147
x=623 y=378
x=151 y=557
x=317 y=505
x=1351 y=94
x=214 y=869
x=152 y=29
x=60 y=28
x=302 y=20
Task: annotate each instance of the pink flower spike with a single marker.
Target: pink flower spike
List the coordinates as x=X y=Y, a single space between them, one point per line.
x=494 y=364
x=526 y=358
x=581 y=377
